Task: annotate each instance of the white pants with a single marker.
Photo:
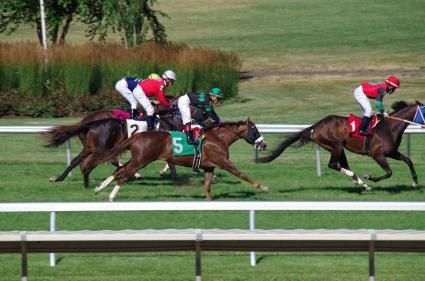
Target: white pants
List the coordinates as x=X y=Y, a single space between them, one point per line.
x=122 y=87
x=184 y=106
x=363 y=101
x=143 y=100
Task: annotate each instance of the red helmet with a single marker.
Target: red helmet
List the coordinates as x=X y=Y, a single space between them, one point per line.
x=393 y=81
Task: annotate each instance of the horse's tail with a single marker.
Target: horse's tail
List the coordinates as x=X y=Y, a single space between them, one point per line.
x=116 y=151
x=60 y=134
x=295 y=140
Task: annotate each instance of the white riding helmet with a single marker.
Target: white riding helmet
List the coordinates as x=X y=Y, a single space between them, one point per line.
x=169 y=74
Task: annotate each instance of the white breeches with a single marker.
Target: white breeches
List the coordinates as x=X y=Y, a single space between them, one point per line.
x=363 y=101
x=184 y=107
x=122 y=87
x=143 y=100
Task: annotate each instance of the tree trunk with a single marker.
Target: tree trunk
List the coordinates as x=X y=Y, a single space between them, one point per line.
x=65 y=29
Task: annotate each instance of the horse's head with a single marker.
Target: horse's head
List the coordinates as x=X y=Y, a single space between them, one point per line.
x=405 y=110
x=253 y=136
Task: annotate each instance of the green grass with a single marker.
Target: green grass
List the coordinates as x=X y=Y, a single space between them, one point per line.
x=25 y=167
x=295 y=35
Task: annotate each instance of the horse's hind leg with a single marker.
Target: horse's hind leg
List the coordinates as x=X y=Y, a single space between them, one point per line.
x=128 y=171
x=398 y=156
x=87 y=167
x=382 y=161
x=118 y=164
x=118 y=172
x=76 y=161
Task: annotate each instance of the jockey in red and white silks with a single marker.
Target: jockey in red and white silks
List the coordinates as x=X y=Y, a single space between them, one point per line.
x=376 y=91
x=126 y=86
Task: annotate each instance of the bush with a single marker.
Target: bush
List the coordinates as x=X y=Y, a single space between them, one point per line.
x=81 y=78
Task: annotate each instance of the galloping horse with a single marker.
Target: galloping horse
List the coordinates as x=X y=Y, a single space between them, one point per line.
x=333 y=134
x=147 y=147
x=98 y=134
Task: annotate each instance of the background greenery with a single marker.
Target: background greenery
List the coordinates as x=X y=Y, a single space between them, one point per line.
x=289 y=35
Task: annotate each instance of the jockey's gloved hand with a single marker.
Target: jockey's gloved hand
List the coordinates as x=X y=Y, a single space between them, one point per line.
x=386 y=114
x=174 y=107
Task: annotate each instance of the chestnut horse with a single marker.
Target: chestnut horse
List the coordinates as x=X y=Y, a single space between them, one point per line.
x=333 y=134
x=99 y=131
x=147 y=147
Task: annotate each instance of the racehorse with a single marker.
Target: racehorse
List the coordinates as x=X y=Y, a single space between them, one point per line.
x=333 y=134
x=99 y=134
x=147 y=147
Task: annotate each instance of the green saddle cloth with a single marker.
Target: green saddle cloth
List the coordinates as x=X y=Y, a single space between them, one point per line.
x=180 y=145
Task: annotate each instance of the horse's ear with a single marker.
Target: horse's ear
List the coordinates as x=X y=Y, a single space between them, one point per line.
x=418 y=102
x=248 y=119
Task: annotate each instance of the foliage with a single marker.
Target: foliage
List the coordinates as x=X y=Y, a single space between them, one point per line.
x=134 y=18
x=87 y=73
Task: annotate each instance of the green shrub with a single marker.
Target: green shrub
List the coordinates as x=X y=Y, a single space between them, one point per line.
x=82 y=78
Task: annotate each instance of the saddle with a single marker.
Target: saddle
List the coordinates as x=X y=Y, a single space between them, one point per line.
x=121 y=114
x=354 y=126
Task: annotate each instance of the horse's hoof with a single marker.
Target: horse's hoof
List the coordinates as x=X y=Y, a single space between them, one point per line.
x=367 y=187
x=367 y=177
x=264 y=188
x=96 y=190
x=415 y=185
x=138 y=176
x=53 y=179
x=111 y=199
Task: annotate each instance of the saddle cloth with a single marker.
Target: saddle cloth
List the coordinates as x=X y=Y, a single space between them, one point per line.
x=136 y=126
x=354 y=126
x=180 y=145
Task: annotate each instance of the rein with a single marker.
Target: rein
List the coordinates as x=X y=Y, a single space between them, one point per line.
x=404 y=120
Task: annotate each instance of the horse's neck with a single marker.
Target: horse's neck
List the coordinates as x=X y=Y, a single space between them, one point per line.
x=397 y=127
x=228 y=133
x=407 y=113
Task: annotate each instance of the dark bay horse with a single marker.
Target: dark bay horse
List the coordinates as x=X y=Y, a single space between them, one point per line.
x=333 y=134
x=99 y=132
x=147 y=147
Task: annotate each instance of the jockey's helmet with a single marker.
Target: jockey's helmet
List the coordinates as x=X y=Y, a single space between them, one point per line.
x=216 y=92
x=393 y=81
x=153 y=76
x=169 y=74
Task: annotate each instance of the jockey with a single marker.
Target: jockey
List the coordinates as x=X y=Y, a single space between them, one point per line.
x=125 y=87
x=375 y=91
x=152 y=87
x=204 y=103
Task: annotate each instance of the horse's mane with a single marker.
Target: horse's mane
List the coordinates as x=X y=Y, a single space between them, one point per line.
x=399 y=105
x=224 y=124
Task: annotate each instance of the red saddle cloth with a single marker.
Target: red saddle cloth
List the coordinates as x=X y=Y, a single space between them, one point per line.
x=354 y=126
x=121 y=114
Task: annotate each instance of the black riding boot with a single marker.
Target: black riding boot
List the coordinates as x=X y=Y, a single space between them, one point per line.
x=151 y=123
x=364 y=125
x=189 y=135
x=134 y=114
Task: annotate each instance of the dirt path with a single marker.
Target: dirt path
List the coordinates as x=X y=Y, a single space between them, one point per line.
x=260 y=73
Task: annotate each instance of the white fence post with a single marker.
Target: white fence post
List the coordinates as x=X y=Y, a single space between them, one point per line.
x=252 y=227
x=52 y=229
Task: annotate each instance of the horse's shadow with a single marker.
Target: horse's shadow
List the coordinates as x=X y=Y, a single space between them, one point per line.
x=396 y=189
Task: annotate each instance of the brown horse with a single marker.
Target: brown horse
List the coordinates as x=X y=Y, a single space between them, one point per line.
x=333 y=134
x=99 y=132
x=147 y=147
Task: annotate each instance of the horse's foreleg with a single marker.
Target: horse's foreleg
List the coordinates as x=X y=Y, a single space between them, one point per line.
x=382 y=161
x=208 y=180
x=398 y=156
x=225 y=164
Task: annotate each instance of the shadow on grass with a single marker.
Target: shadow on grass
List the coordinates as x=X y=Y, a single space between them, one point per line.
x=355 y=189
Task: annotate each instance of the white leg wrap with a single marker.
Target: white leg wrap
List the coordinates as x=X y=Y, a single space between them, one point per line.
x=114 y=193
x=347 y=172
x=104 y=184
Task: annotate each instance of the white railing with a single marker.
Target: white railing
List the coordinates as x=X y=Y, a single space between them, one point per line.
x=53 y=208
x=263 y=128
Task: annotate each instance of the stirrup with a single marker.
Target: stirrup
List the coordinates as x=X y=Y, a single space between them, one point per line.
x=363 y=133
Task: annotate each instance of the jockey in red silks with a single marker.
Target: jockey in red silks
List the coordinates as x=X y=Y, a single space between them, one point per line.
x=137 y=91
x=375 y=91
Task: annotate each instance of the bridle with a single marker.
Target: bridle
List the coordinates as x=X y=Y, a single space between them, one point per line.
x=252 y=141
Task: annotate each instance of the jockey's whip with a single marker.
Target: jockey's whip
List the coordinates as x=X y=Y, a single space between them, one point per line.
x=404 y=120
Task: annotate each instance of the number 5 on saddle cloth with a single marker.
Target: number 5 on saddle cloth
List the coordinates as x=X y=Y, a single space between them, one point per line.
x=182 y=148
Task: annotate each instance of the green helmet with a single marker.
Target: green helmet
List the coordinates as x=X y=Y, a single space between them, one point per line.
x=216 y=92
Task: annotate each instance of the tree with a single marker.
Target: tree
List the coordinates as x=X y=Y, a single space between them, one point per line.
x=133 y=18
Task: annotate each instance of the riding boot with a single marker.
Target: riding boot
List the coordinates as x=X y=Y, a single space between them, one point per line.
x=134 y=114
x=189 y=135
x=151 y=123
x=364 y=126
